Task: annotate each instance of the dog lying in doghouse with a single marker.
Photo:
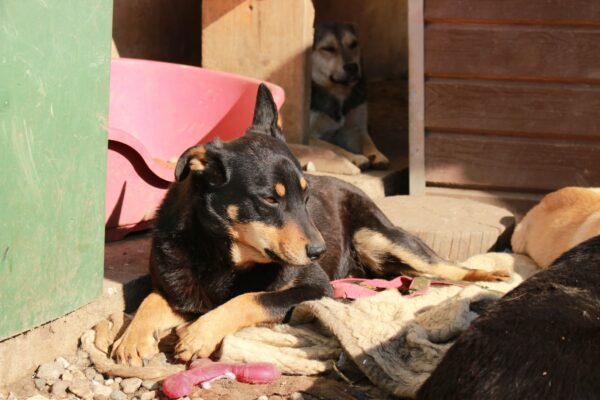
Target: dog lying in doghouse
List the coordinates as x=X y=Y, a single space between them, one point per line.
x=540 y=341
x=243 y=235
x=561 y=220
x=338 y=105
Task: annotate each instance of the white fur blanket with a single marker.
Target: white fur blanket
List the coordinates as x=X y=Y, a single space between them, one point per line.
x=395 y=340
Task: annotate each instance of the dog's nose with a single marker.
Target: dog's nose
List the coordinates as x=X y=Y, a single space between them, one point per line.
x=314 y=251
x=351 y=68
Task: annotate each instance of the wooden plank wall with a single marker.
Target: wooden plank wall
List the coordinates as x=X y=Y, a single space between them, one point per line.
x=512 y=94
x=266 y=39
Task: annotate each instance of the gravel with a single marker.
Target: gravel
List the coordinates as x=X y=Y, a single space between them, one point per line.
x=130 y=385
x=81 y=388
x=118 y=395
x=74 y=378
x=50 y=371
x=59 y=389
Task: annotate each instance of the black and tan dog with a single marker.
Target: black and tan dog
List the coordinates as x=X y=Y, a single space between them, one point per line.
x=242 y=236
x=540 y=341
x=338 y=106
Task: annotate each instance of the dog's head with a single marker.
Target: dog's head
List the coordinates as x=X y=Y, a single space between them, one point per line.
x=336 y=55
x=255 y=188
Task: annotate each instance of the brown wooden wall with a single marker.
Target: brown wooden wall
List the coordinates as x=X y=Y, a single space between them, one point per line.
x=512 y=94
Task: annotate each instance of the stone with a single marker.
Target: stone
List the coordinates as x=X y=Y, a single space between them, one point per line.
x=102 y=390
x=40 y=384
x=130 y=385
x=62 y=361
x=77 y=374
x=148 y=395
x=37 y=397
x=59 y=389
x=50 y=371
x=263 y=397
x=118 y=395
x=118 y=379
x=67 y=376
x=109 y=381
x=150 y=385
x=98 y=377
x=71 y=359
x=12 y=396
x=100 y=397
x=90 y=373
x=81 y=388
x=296 y=396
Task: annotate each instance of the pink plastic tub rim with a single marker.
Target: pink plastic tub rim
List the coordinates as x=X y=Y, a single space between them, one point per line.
x=157 y=110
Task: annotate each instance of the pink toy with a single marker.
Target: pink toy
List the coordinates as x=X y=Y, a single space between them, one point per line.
x=157 y=110
x=203 y=371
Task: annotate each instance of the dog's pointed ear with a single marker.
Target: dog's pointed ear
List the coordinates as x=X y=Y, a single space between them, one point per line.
x=265 y=113
x=205 y=161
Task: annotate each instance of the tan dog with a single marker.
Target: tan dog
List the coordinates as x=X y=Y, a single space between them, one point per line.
x=338 y=107
x=561 y=221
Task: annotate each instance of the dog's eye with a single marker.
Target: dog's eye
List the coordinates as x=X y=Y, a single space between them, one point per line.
x=328 y=49
x=353 y=45
x=270 y=200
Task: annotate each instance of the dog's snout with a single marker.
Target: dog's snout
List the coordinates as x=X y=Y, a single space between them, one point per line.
x=351 y=68
x=314 y=251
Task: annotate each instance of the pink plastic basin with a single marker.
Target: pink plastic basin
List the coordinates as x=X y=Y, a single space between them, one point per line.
x=157 y=110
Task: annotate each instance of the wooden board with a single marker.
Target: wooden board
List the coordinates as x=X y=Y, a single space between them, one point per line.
x=510 y=163
x=518 y=52
x=579 y=12
x=454 y=229
x=513 y=108
x=268 y=40
x=54 y=86
x=416 y=98
x=162 y=30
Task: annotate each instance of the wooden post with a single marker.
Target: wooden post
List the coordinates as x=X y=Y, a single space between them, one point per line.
x=416 y=98
x=268 y=40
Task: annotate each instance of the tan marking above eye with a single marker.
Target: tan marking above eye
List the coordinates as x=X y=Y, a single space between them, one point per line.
x=303 y=183
x=280 y=189
x=197 y=158
x=233 y=211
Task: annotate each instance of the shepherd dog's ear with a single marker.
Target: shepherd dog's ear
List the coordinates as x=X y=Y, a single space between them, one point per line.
x=205 y=161
x=265 y=114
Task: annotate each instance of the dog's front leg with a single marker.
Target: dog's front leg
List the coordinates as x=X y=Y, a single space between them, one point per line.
x=201 y=337
x=378 y=160
x=359 y=160
x=140 y=340
x=356 y=126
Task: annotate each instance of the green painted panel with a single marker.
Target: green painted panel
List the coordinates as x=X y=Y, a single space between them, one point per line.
x=54 y=84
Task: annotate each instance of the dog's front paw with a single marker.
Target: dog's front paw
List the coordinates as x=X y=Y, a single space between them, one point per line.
x=135 y=346
x=199 y=339
x=360 y=161
x=379 y=161
x=490 y=276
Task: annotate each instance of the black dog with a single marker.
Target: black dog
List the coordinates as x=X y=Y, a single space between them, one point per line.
x=243 y=236
x=540 y=341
